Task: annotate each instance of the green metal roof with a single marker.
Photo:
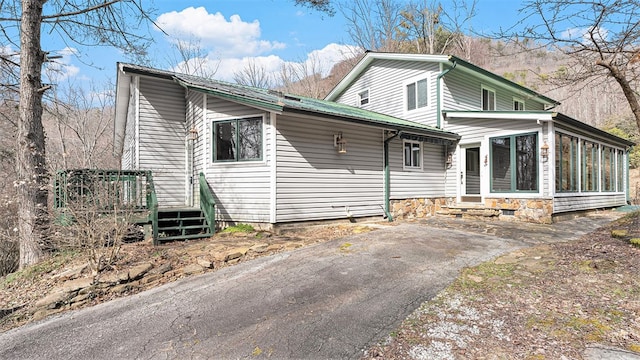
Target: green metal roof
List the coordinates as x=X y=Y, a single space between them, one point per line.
x=281 y=102
x=271 y=100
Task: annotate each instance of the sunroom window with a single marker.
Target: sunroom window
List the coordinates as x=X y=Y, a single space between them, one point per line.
x=514 y=163
x=237 y=140
x=566 y=163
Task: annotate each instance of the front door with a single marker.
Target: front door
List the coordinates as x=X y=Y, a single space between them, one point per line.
x=470 y=174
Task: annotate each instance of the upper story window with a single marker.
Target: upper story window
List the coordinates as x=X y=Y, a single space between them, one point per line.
x=237 y=140
x=363 y=97
x=416 y=93
x=518 y=104
x=412 y=155
x=488 y=99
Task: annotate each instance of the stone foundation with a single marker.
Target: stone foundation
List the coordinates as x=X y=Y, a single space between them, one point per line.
x=416 y=208
x=529 y=210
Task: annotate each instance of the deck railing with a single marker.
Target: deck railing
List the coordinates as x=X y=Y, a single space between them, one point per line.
x=207 y=203
x=103 y=190
x=152 y=205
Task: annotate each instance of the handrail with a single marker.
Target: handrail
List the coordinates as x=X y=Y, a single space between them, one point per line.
x=152 y=206
x=104 y=189
x=207 y=203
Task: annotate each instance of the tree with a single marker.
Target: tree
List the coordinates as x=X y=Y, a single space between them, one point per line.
x=253 y=74
x=424 y=27
x=85 y=23
x=83 y=121
x=373 y=24
x=600 y=38
x=115 y=23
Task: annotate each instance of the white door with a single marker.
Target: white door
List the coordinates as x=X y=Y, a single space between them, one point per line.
x=470 y=179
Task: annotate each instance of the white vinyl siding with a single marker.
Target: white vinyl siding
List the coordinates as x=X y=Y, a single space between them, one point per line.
x=195 y=120
x=241 y=189
x=129 y=148
x=162 y=145
x=314 y=182
x=387 y=80
x=461 y=91
x=588 y=201
x=478 y=131
x=426 y=183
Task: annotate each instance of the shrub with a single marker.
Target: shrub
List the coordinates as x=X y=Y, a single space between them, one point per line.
x=9 y=246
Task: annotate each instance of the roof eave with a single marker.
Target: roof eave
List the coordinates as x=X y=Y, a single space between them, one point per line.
x=397 y=127
x=369 y=57
x=120 y=112
x=252 y=102
x=579 y=124
x=501 y=80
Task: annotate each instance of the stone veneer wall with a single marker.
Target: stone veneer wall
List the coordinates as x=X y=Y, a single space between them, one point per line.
x=416 y=208
x=530 y=210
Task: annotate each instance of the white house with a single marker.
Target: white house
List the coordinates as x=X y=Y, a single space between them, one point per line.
x=400 y=136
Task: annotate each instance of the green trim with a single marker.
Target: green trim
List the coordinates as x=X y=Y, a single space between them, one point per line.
x=387 y=178
x=267 y=105
x=207 y=203
x=502 y=80
x=627 y=164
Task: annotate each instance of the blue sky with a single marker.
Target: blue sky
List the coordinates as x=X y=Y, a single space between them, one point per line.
x=233 y=32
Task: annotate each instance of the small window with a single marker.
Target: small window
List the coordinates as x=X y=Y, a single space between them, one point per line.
x=412 y=155
x=488 y=99
x=237 y=140
x=518 y=105
x=363 y=97
x=416 y=94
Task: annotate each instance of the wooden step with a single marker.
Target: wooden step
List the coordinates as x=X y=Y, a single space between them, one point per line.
x=182 y=224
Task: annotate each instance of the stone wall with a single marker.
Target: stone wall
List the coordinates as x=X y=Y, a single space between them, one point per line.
x=416 y=208
x=530 y=210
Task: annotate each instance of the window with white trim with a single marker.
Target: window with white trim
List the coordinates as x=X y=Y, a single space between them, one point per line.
x=416 y=94
x=363 y=97
x=237 y=140
x=412 y=154
x=518 y=104
x=488 y=99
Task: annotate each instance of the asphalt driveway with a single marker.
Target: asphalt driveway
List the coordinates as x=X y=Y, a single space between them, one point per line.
x=330 y=300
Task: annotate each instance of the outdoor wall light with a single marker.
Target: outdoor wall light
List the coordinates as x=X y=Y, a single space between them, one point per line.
x=193 y=134
x=449 y=159
x=340 y=143
x=544 y=150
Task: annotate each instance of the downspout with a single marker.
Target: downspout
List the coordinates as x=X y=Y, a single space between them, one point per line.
x=387 y=177
x=438 y=95
x=627 y=171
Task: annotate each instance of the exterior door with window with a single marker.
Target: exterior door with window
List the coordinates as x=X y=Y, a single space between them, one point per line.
x=470 y=174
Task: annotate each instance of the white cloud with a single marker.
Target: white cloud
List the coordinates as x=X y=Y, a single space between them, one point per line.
x=233 y=37
x=600 y=34
x=325 y=58
x=61 y=68
x=315 y=61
